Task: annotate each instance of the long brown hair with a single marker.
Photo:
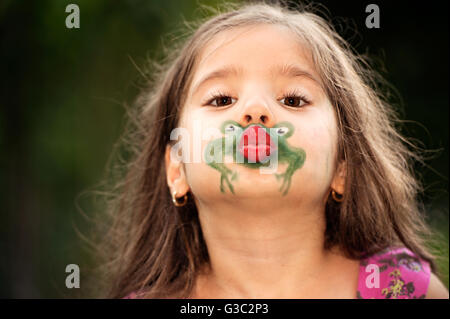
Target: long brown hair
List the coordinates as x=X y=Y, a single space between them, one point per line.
x=157 y=248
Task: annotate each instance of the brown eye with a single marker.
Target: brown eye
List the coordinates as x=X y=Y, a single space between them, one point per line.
x=222 y=100
x=295 y=101
x=218 y=99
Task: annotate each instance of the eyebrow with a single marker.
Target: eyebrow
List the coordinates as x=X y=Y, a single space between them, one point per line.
x=288 y=70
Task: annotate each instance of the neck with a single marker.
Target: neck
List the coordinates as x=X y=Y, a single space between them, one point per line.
x=254 y=245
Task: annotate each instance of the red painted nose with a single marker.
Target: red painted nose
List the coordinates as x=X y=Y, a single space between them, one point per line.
x=256 y=144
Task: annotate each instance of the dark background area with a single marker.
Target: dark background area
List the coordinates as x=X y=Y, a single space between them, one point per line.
x=62 y=98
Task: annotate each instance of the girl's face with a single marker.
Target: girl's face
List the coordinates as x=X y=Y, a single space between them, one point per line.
x=262 y=76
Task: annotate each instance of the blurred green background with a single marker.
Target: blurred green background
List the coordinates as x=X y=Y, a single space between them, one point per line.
x=62 y=98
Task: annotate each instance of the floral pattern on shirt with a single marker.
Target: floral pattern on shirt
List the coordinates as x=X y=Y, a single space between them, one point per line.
x=394 y=273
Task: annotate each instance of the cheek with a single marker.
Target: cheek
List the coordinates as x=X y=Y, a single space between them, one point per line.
x=319 y=149
x=319 y=145
x=197 y=176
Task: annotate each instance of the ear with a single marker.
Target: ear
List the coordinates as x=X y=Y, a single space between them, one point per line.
x=176 y=177
x=338 y=182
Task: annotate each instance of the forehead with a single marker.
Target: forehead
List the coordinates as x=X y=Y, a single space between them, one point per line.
x=255 y=48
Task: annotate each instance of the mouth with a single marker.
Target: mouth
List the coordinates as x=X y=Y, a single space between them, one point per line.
x=256 y=145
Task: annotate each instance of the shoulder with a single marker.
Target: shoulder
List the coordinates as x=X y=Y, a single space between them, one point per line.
x=130 y=296
x=135 y=295
x=394 y=273
x=436 y=289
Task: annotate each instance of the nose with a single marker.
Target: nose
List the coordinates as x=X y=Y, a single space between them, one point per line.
x=256 y=111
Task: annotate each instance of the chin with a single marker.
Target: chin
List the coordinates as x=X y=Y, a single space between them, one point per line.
x=252 y=183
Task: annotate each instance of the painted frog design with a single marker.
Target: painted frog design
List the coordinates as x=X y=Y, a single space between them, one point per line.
x=254 y=146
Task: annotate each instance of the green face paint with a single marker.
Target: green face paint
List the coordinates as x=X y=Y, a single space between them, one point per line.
x=254 y=146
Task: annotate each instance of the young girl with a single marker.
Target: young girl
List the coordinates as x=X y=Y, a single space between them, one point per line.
x=305 y=189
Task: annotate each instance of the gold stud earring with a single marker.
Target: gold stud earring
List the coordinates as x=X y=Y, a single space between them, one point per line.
x=176 y=201
x=337 y=197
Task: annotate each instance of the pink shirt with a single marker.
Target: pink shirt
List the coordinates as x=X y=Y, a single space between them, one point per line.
x=395 y=273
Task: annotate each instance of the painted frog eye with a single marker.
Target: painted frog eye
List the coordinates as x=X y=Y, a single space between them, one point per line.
x=282 y=130
x=230 y=128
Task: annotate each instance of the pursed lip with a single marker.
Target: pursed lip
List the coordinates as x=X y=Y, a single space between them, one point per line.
x=255 y=144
